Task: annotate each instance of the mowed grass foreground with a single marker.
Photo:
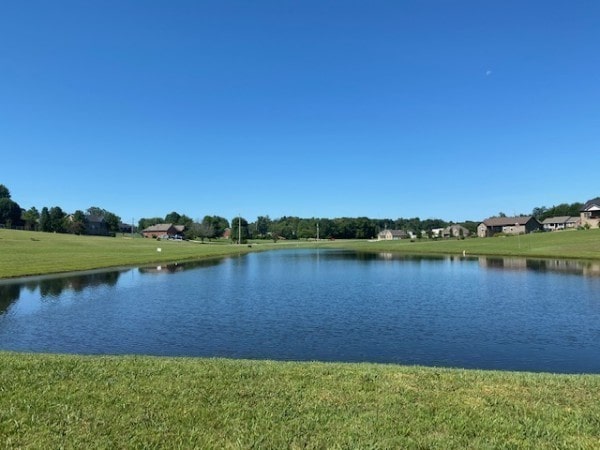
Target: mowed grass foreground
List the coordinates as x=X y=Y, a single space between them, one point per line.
x=62 y=401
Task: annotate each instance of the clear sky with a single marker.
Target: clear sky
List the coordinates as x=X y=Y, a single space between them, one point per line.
x=449 y=109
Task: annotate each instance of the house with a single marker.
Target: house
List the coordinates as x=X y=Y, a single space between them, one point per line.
x=560 y=223
x=96 y=226
x=126 y=228
x=163 y=230
x=508 y=225
x=455 y=231
x=392 y=235
x=437 y=232
x=590 y=214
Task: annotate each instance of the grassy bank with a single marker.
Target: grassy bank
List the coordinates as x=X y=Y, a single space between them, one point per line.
x=579 y=244
x=51 y=401
x=28 y=253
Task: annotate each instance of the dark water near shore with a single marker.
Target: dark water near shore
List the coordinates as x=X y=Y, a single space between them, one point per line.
x=488 y=313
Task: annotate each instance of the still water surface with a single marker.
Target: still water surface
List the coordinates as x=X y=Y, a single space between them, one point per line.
x=488 y=313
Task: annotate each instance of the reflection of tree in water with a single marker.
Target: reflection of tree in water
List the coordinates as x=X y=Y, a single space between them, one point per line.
x=179 y=267
x=55 y=286
x=8 y=294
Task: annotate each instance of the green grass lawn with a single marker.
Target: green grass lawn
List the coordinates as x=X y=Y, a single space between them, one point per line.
x=50 y=401
x=29 y=253
x=581 y=244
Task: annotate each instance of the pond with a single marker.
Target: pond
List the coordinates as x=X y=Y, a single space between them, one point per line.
x=486 y=313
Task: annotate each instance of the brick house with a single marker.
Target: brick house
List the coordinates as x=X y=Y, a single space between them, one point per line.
x=590 y=213
x=508 y=225
x=163 y=230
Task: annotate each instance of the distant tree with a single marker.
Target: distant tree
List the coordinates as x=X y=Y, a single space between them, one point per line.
x=501 y=214
x=31 y=218
x=307 y=228
x=144 y=223
x=45 y=220
x=10 y=212
x=112 y=220
x=199 y=230
x=173 y=217
x=239 y=228
x=57 y=219
x=218 y=224
x=262 y=226
x=539 y=212
x=4 y=192
x=564 y=209
x=76 y=223
x=429 y=224
x=284 y=227
x=95 y=211
x=185 y=221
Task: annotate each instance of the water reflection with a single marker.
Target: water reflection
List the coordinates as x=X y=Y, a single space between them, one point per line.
x=565 y=266
x=54 y=286
x=179 y=267
x=8 y=294
x=571 y=267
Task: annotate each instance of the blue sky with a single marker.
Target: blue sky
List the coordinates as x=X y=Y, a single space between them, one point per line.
x=449 y=109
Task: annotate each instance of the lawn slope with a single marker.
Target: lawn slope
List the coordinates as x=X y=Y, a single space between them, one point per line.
x=30 y=253
x=579 y=244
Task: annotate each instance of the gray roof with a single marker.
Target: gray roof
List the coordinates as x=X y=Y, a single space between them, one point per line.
x=507 y=221
x=591 y=203
x=558 y=219
x=394 y=232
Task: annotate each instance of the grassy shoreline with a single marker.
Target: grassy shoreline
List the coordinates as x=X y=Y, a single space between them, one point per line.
x=576 y=244
x=69 y=401
x=24 y=253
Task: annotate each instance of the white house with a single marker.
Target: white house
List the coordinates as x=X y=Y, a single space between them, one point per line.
x=560 y=223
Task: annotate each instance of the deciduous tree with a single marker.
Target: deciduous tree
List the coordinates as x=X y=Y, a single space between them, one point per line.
x=10 y=212
x=31 y=218
x=4 y=192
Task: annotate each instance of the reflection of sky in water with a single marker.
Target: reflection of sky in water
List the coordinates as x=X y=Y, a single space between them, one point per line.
x=332 y=306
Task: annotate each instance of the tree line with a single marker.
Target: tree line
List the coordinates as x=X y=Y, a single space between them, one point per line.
x=291 y=227
x=52 y=219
